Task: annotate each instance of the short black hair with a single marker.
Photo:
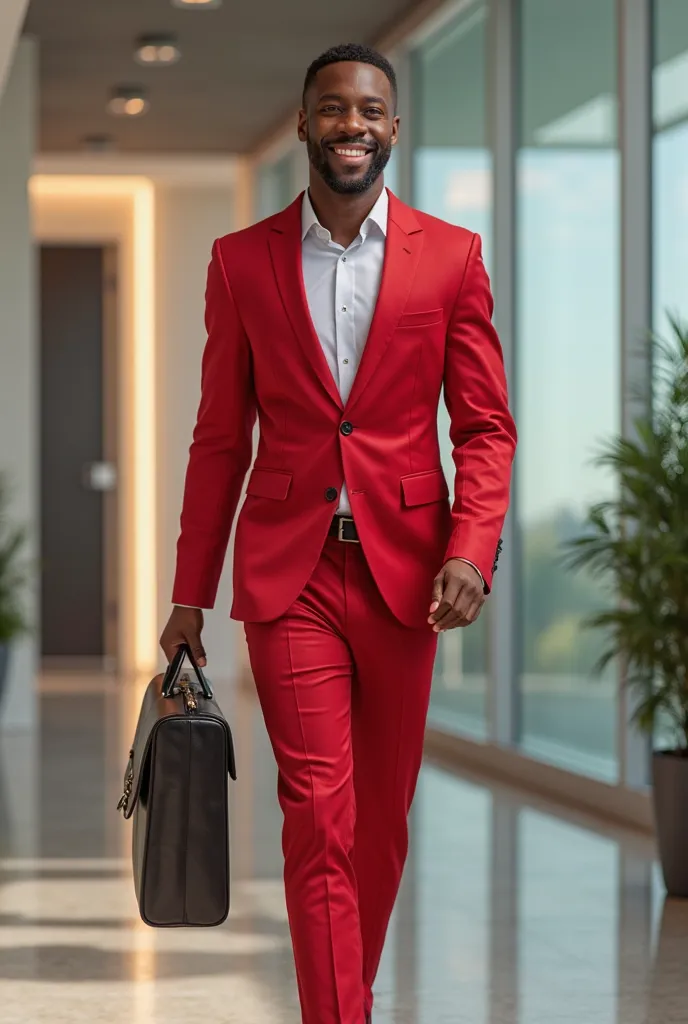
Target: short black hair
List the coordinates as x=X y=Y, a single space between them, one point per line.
x=352 y=52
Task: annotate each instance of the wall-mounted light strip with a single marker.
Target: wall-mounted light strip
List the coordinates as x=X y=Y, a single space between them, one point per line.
x=141 y=514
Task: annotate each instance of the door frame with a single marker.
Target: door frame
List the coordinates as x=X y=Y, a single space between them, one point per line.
x=111 y=453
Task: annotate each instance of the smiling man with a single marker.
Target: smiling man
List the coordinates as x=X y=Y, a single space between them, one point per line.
x=339 y=321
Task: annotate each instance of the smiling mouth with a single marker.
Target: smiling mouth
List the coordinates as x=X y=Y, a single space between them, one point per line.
x=354 y=153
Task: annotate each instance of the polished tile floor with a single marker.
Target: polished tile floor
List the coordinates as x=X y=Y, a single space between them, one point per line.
x=511 y=911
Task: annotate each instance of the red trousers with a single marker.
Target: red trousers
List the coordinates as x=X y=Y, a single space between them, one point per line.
x=344 y=689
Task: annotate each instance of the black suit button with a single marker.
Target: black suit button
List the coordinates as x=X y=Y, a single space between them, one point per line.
x=347 y=428
x=331 y=493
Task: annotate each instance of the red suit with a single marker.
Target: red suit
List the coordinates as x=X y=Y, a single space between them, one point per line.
x=338 y=635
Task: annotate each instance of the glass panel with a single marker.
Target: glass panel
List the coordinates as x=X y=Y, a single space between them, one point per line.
x=568 y=370
x=392 y=172
x=670 y=160
x=670 y=186
x=275 y=186
x=452 y=175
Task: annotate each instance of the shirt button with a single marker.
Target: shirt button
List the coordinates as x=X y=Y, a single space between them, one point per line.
x=346 y=428
x=345 y=361
x=343 y=309
x=331 y=494
x=343 y=259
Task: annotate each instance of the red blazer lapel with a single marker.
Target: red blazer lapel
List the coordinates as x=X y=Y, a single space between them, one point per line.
x=285 y=251
x=402 y=252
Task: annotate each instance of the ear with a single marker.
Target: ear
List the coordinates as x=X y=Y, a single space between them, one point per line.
x=302 y=126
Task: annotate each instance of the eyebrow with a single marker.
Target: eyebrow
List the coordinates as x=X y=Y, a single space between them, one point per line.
x=337 y=96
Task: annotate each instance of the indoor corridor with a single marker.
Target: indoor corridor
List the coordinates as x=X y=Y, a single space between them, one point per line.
x=512 y=911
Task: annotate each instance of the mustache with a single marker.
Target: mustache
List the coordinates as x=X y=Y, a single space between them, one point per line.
x=347 y=140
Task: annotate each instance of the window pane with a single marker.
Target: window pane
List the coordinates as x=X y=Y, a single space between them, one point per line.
x=568 y=372
x=670 y=188
x=392 y=172
x=275 y=186
x=452 y=175
x=670 y=160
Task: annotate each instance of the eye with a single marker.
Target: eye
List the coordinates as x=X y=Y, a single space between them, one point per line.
x=374 y=112
x=329 y=109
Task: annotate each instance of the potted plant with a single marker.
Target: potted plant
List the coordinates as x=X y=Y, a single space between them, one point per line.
x=637 y=543
x=13 y=577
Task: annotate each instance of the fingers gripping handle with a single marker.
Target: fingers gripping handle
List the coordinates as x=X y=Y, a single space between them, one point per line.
x=174 y=667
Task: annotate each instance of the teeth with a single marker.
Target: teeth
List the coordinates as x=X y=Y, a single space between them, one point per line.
x=349 y=152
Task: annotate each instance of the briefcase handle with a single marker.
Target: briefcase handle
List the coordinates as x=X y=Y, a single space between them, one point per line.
x=172 y=671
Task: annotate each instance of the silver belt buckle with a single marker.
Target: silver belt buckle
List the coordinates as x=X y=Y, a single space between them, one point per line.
x=340 y=531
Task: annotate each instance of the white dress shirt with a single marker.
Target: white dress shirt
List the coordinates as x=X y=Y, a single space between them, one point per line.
x=342 y=286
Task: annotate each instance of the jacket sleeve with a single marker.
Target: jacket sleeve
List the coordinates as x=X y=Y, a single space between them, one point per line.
x=482 y=430
x=221 y=451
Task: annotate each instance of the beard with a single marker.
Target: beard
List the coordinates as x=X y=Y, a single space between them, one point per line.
x=317 y=155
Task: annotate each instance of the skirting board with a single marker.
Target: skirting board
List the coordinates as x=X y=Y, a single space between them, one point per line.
x=613 y=804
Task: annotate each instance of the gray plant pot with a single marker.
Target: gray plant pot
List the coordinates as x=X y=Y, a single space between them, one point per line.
x=670 y=779
x=4 y=666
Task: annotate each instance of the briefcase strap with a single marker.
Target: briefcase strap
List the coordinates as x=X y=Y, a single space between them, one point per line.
x=172 y=671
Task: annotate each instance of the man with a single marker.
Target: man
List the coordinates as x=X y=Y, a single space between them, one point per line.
x=338 y=321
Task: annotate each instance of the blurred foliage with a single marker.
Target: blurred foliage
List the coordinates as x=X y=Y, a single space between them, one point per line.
x=13 y=572
x=638 y=542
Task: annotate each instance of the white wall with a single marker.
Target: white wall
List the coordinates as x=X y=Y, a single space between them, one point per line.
x=188 y=221
x=18 y=345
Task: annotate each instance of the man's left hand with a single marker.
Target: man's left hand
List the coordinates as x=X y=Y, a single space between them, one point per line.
x=457 y=596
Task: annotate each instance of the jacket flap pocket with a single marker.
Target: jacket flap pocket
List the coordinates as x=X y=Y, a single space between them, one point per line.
x=424 y=318
x=423 y=488
x=269 y=483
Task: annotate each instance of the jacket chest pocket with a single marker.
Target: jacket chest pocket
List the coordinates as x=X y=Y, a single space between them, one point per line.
x=423 y=318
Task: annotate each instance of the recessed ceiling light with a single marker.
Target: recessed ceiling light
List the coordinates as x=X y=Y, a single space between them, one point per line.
x=128 y=101
x=200 y=4
x=157 y=50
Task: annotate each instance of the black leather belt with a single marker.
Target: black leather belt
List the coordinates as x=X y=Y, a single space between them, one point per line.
x=344 y=529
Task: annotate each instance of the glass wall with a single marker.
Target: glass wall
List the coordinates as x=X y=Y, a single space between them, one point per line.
x=568 y=364
x=560 y=105
x=452 y=179
x=275 y=186
x=670 y=161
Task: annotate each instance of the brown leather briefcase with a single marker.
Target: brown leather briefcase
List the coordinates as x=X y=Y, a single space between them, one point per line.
x=175 y=787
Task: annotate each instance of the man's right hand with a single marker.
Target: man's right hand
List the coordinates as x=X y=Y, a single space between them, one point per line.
x=184 y=626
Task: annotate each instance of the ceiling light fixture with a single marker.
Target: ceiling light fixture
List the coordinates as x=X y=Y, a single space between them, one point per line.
x=199 y=4
x=128 y=101
x=157 y=51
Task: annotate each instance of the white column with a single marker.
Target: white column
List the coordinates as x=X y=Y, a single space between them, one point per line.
x=11 y=17
x=188 y=220
x=18 y=350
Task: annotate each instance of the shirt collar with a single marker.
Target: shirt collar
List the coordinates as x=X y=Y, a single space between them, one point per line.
x=378 y=215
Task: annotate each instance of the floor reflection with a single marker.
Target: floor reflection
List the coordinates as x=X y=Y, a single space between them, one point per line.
x=511 y=911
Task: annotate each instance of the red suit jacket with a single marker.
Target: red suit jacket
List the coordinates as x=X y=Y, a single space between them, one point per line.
x=431 y=328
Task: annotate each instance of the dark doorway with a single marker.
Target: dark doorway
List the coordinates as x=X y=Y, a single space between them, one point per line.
x=78 y=473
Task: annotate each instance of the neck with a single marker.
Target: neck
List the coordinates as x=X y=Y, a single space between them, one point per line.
x=342 y=214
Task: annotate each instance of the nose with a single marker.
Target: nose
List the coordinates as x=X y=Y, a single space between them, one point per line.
x=352 y=123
